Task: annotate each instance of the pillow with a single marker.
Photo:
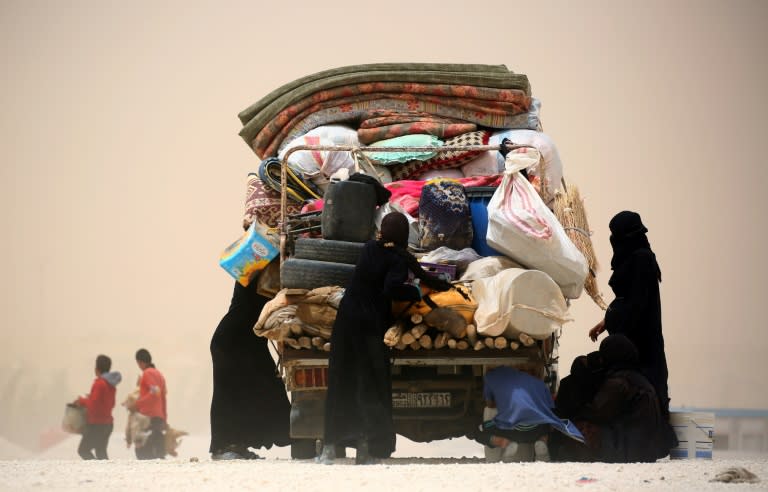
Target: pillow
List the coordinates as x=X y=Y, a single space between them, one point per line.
x=415 y=140
x=444 y=160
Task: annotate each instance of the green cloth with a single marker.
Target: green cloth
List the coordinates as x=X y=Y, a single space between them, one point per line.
x=415 y=140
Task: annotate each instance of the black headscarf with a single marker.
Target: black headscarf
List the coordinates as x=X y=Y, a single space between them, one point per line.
x=618 y=352
x=628 y=236
x=394 y=229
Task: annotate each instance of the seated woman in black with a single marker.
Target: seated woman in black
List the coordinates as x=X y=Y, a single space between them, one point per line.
x=358 y=407
x=623 y=422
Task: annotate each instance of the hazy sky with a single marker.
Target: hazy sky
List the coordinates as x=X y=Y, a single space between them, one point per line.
x=122 y=174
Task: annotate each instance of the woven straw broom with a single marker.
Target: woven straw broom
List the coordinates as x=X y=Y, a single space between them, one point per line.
x=570 y=211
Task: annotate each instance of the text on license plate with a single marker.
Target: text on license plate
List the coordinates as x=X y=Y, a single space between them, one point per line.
x=421 y=400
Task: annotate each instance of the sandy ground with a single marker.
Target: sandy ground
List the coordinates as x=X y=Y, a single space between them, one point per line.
x=444 y=466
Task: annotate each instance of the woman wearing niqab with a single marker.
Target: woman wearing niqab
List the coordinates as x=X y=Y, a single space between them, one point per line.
x=249 y=407
x=636 y=310
x=623 y=421
x=358 y=407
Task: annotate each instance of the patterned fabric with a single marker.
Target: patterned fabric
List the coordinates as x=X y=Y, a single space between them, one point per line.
x=268 y=107
x=349 y=115
x=387 y=117
x=444 y=160
x=263 y=203
x=382 y=125
x=444 y=215
x=484 y=106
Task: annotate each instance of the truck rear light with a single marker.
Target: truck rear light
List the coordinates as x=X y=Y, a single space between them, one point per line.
x=311 y=377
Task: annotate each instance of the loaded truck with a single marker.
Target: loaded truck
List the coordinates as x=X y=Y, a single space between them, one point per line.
x=449 y=114
x=437 y=393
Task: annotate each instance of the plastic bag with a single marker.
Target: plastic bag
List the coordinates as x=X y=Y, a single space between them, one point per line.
x=461 y=258
x=74 y=419
x=250 y=254
x=522 y=227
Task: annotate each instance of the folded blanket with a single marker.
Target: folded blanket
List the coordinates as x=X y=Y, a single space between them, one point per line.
x=373 y=70
x=269 y=106
x=488 y=113
x=439 y=130
x=385 y=117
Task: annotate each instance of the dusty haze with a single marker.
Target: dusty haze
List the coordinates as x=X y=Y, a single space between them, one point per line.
x=123 y=175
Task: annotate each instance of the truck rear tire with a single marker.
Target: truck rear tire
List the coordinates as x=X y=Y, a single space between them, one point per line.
x=303 y=449
x=328 y=250
x=296 y=273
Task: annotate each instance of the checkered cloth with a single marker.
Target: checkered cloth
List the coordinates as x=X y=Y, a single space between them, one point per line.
x=443 y=160
x=262 y=203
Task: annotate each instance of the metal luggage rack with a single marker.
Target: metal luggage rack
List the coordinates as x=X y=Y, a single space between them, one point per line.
x=305 y=222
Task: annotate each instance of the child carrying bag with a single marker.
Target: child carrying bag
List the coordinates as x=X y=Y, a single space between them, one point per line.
x=521 y=227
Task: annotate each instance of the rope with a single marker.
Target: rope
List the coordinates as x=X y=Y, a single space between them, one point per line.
x=578 y=229
x=546 y=314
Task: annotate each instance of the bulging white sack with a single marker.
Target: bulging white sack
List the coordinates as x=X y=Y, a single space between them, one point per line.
x=517 y=300
x=522 y=227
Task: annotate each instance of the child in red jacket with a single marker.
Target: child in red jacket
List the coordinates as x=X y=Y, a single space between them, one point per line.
x=98 y=415
x=151 y=403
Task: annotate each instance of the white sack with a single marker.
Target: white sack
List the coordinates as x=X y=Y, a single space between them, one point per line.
x=515 y=301
x=522 y=227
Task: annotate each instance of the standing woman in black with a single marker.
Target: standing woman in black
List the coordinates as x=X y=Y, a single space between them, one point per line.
x=358 y=406
x=636 y=310
x=249 y=408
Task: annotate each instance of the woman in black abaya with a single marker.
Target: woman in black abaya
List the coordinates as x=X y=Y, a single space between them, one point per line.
x=636 y=310
x=249 y=407
x=358 y=408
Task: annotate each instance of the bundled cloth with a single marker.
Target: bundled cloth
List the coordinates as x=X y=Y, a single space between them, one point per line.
x=299 y=311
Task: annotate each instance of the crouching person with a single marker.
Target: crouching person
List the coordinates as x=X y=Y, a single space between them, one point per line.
x=98 y=411
x=622 y=420
x=524 y=417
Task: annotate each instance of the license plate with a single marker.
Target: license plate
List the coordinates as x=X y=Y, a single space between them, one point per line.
x=421 y=400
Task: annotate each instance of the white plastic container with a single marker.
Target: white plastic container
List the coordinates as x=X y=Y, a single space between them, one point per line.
x=695 y=431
